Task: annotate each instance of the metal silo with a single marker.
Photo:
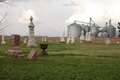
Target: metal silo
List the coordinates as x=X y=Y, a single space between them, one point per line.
x=111 y=30
x=86 y=29
x=94 y=30
x=76 y=28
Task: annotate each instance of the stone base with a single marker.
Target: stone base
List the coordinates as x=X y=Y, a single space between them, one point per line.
x=43 y=53
x=25 y=43
x=20 y=56
x=3 y=43
x=31 y=45
x=14 y=52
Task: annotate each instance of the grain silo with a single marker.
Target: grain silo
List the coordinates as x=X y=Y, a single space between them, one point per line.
x=76 y=28
x=111 y=30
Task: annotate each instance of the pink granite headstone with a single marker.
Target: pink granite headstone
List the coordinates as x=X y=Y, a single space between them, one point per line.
x=15 y=46
x=32 y=55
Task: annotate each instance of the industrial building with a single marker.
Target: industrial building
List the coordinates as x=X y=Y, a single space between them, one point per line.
x=97 y=31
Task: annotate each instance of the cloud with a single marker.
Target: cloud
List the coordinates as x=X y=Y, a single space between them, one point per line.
x=32 y=0
x=26 y=17
x=99 y=12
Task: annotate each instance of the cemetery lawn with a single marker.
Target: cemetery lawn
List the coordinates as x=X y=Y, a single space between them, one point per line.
x=78 y=61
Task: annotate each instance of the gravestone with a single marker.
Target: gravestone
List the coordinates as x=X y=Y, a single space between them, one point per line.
x=32 y=55
x=25 y=42
x=3 y=42
x=82 y=36
x=108 y=41
x=31 y=41
x=15 y=46
x=42 y=39
x=89 y=37
x=67 y=41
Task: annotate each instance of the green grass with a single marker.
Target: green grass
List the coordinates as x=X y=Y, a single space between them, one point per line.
x=78 y=61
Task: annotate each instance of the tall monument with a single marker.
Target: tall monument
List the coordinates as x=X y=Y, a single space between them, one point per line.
x=31 y=41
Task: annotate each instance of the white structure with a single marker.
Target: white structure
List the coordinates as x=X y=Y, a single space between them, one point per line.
x=73 y=40
x=31 y=41
x=67 y=41
x=25 y=42
x=57 y=41
x=3 y=41
x=108 y=41
x=89 y=37
x=87 y=34
x=62 y=38
x=82 y=36
x=45 y=38
x=42 y=39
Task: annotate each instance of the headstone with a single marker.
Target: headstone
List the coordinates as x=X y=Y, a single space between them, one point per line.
x=57 y=41
x=87 y=34
x=25 y=42
x=49 y=40
x=42 y=39
x=32 y=55
x=3 y=42
x=73 y=40
x=31 y=41
x=108 y=41
x=15 y=46
x=89 y=37
x=45 y=38
x=118 y=42
x=80 y=41
x=62 y=38
x=67 y=41
x=82 y=36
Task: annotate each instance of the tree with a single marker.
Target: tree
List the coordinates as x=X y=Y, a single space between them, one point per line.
x=4 y=23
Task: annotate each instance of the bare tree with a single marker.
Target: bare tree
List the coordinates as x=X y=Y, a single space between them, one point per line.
x=4 y=22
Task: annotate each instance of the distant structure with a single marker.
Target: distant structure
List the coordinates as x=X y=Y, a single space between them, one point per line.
x=3 y=41
x=105 y=32
x=31 y=41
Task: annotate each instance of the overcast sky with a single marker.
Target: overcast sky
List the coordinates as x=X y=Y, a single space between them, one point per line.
x=51 y=17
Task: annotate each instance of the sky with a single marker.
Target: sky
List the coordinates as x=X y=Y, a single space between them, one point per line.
x=51 y=17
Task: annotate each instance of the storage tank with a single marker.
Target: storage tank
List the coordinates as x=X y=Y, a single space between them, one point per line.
x=86 y=29
x=94 y=30
x=103 y=30
x=76 y=28
x=111 y=30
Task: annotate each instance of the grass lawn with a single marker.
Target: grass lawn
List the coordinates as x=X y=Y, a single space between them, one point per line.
x=78 y=61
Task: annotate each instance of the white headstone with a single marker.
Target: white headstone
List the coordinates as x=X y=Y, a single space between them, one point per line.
x=25 y=42
x=42 y=39
x=118 y=42
x=45 y=38
x=108 y=41
x=80 y=41
x=31 y=41
x=82 y=35
x=3 y=41
x=87 y=34
x=57 y=41
x=67 y=41
x=73 y=40
x=89 y=37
